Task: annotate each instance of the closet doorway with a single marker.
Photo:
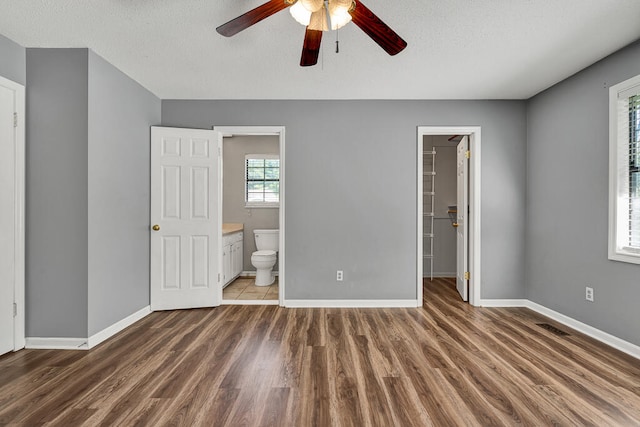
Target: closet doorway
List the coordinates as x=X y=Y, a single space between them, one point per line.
x=458 y=217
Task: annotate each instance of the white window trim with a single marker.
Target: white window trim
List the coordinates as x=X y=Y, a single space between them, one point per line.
x=258 y=205
x=616 y=215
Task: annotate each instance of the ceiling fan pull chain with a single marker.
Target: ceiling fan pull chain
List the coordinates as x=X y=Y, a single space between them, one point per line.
x=337 y=42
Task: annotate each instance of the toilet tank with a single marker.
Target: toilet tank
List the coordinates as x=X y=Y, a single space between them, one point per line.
x=267 y=240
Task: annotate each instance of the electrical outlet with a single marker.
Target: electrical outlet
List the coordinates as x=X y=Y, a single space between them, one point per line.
x=339 y=275
x=589 y=295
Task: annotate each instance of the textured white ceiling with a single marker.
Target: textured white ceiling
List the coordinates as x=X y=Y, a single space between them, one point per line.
x=457 y=49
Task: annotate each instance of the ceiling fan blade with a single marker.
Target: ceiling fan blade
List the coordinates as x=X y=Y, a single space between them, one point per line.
x=254 y=16
x=380 y=32
x=311 y=48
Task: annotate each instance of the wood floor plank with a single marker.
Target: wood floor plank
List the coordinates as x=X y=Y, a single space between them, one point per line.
x=370 y=384
x=275 y=410
x=255 y=385
x=293 y=345
x=384 y=361
x=74 y=417
x=445 y=364
x=405 y=410
x=321 y=415
x=345 y=399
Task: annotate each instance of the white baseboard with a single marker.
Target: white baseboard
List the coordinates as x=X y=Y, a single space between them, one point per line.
x=504 y=303
x=86 y=343
x=56 y=343
x=611 y=340
x=440 y=274
x=351 y=303
x=250 y=302
x=253 y=274
x=604 y=337
x=110 y=331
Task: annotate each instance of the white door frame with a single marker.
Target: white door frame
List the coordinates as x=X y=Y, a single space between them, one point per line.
x=262 y=131
x=19 y=248
x=474 y=133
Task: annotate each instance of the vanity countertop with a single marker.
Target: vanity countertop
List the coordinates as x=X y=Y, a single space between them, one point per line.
x=231 y=227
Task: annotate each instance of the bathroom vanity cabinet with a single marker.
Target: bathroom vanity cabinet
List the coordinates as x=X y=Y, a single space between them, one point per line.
x=232 y=255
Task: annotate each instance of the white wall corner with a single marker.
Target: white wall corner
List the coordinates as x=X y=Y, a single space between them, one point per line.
x=110 y=331
x=86 y=343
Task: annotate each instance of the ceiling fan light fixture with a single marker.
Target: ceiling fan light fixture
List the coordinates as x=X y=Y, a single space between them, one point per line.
x=300 y=13
x=319 y=20
x=340 y=12
x=339 y=15
x=312 y=5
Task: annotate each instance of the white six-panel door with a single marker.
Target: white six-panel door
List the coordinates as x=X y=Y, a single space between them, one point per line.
x=462 y=170
x=185 y=218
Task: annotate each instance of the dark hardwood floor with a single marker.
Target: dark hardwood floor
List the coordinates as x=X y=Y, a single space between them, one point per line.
x=446 y=364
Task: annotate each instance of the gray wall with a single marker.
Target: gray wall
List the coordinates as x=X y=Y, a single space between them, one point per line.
x=120 y=115
x=87 y=193
x=56 y=193
x=444 y=244
x=12 y=61
x=234 y=210
x=351 y=188
x=567 y=201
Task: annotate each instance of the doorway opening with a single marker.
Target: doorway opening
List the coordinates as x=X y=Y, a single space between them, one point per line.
x=252 y=198
x=454 y=213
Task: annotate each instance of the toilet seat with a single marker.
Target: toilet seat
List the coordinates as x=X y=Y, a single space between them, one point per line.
x=264 y=253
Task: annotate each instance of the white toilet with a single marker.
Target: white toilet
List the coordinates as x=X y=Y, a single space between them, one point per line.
x=267 y=243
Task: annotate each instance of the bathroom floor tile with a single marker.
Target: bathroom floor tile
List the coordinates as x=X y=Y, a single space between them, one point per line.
x=244 y=288
x=247 y=296
x=231 y=294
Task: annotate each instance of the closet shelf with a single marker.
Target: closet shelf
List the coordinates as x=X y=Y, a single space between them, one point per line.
x=428 y=202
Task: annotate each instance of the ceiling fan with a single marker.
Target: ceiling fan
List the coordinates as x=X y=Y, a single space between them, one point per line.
x=319 y=16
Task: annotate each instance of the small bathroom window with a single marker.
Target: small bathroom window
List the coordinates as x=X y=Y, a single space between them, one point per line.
x=262 y=181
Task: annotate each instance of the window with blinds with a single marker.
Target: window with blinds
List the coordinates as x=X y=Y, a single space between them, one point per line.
x=262 y=180
x=624 y=171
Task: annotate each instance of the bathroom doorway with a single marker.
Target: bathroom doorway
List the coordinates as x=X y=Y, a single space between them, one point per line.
x=252 y=198
x=448 y=243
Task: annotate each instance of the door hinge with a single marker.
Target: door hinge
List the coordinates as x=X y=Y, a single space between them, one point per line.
x=467 y=275
x=218 y=277
x=15 y=309
x=468 y=154
x=15 y=120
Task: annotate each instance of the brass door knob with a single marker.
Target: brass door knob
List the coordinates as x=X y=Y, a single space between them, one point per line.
x=156 y=227
x=455 y=224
